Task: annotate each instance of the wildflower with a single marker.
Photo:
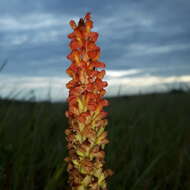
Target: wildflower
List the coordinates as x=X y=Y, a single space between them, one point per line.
x=86 y=135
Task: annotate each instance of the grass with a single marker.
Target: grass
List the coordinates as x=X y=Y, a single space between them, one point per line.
x=148 y=150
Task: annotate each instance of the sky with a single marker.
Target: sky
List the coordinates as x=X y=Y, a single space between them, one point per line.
x=144 y=43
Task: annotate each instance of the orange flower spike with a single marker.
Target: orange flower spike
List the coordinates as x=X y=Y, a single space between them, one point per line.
x=86 y=135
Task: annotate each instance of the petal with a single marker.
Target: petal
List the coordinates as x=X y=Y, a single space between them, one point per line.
x=102 y=92
x=73 y=24
x=71 y=84
x=100 y=84
x=93 y=36
x=108 y=172
x=83 y=117
x=88 y=16
x=88 y=132
x=94 y=54
x=99 y=64
x=104 y=102
x=72 y=100
x=90 y=87
x=70 y=72
x=74 y=67
x=92 y=74
x=101 y=74
x=92 y=106
x=75 y=44
x=89 y=24
x=102 y=138
x=91 y=46
x=102 y=114
x=74 y=110
x=86 y=180
x=71 y=35
x=76 y=91
x=83 y=77
x=78 y=34
x=99 y=155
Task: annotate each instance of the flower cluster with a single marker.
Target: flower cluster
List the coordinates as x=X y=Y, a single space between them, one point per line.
x=86 y=135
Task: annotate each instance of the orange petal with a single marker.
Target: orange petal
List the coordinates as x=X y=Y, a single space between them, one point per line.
x=74 y=110
x=94 y=54
x=83 y=116
x=71 y=84
x=102 y=114
x=78 y=34
x=90 y=87
x=93 y=36
x=92 y=106
x=91 y=46
x=70 y=56
x=102 y=92
x=76 y=91
x=72 y=100
x=88 y=16
x=88 y=132
x=75 y=44
x=75 y=35
x=89 y=24
x=100 y=84
x=71 y=35
x=73 y=24
x=108 y=172
x=70 y=72
x=101 y=74
x=104 y=102
x=99 y=64
x=104 y=83
x=100 y=154
x=83 y=76
x=74 y=67
x=102 y=138
x=92 y=75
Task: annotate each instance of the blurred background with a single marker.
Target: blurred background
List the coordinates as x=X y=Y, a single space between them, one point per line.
x=145 y=45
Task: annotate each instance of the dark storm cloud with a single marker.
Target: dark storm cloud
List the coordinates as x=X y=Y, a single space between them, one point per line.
x=122 y=24
x=19 y=7
x=137 y=35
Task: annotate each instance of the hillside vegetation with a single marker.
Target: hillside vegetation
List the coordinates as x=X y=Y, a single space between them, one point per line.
x=149 y=145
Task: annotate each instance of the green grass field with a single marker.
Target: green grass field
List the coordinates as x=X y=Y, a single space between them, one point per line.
x=149 y=145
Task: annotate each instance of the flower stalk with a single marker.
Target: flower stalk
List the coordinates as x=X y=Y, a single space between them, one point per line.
x=86 y=135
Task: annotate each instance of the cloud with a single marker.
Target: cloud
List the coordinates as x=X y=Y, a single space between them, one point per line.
x=121 y=73
x=145 y=84
x=137 y=38
x=148 y=80
x=128 y=85
x=33 y=29
x=29 y=22
x=143 y=49
x=10 y=86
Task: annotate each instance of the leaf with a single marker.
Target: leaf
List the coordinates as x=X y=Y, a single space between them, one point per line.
x=148 y=169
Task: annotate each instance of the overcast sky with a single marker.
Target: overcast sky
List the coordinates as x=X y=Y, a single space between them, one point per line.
x=144 y=43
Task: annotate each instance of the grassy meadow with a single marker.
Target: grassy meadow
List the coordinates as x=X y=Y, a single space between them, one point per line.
x=149 y=145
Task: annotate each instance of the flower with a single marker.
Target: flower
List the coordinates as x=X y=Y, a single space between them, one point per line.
x=86 y=135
